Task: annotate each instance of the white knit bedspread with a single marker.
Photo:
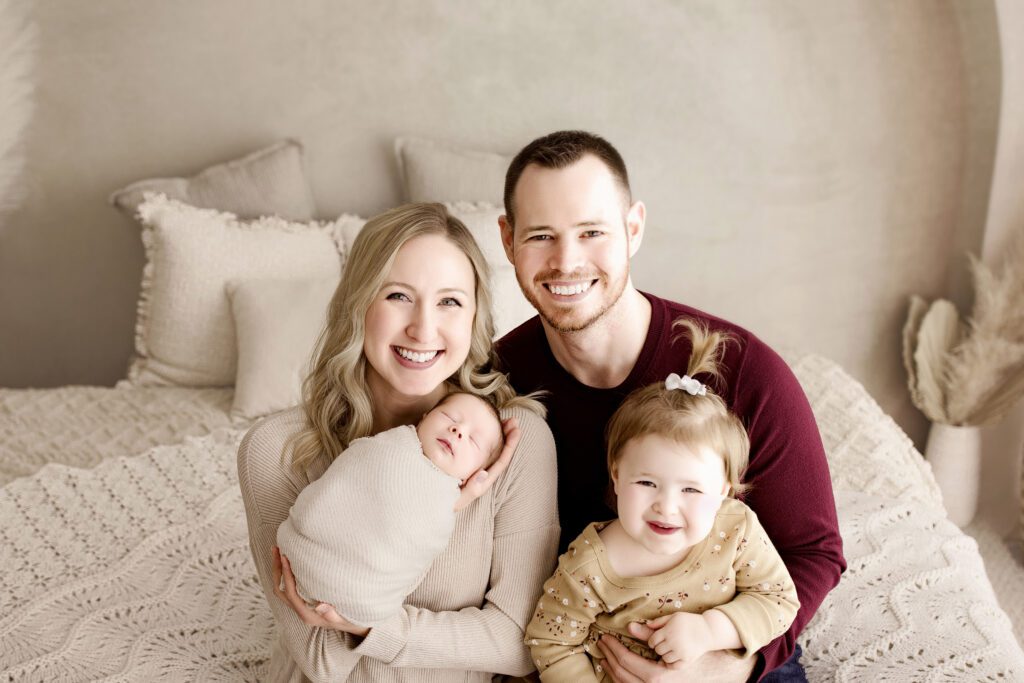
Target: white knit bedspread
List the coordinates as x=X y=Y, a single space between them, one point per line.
x=139 y=568
x=81 y=426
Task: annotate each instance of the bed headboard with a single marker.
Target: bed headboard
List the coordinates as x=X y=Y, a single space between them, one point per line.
x=806 y=166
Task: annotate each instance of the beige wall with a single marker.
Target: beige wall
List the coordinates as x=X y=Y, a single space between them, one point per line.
x=806 y=165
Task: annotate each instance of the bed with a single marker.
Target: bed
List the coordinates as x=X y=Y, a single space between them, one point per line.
x=126 y=554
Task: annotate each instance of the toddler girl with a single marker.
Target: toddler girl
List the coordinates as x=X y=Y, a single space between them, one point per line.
x=362 y=536
x=684 y=556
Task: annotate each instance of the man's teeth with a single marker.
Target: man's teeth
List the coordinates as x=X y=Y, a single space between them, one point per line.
x=416 y=356
x=569 y=290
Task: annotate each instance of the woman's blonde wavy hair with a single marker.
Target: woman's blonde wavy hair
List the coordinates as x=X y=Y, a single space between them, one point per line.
x=686 y=419
x=336 y=396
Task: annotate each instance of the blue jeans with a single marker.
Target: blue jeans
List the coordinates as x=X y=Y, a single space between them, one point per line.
x=791 y=671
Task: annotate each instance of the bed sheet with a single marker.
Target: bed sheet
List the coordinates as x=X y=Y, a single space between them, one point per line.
x=139 y=568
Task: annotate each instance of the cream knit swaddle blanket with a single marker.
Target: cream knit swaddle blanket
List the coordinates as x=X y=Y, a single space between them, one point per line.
x=363 y=535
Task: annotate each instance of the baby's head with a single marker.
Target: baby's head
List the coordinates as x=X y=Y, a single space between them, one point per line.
x=674 y=452
x=461 y=434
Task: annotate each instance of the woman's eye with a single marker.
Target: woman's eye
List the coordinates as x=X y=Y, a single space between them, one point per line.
x=398 y=296
x=450 y=301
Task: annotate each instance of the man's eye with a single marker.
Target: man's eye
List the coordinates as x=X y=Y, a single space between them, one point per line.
x=538 y=238
x=451 y=301
x=398 y=296
x=593 y=233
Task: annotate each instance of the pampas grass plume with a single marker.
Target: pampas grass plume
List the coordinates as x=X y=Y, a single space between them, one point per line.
x=971 y=377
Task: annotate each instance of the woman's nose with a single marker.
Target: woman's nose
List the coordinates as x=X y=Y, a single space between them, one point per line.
x=422 y=327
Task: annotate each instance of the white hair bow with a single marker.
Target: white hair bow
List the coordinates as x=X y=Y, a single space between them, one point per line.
x=686 y=383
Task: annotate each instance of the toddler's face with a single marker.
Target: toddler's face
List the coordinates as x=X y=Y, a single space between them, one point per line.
x=668 y=494
x=460 y=435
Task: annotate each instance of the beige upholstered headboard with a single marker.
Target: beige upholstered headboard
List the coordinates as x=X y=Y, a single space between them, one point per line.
x=806 y=166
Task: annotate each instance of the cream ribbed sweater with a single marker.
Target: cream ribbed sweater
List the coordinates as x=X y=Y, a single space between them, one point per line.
x=466 y=618
x=361 y=536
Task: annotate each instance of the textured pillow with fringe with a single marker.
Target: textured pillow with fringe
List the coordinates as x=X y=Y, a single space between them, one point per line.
x=185 y=335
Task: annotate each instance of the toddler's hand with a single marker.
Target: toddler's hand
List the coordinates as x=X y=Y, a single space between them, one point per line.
x=677 y=638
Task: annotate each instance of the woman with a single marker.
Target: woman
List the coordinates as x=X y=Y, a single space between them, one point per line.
x=410 y=320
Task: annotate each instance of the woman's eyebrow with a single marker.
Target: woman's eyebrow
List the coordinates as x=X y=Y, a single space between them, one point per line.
x=413 y=289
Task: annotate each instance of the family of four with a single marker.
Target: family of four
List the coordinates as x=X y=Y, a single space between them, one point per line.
x=623 y=488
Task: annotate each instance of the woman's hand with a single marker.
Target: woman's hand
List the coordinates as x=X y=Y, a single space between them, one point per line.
x=323 y=615
x=481 y=480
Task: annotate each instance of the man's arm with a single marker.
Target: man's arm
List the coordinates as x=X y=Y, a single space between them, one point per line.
x=790 y=487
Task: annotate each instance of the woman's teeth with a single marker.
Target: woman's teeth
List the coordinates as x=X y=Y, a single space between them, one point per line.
x=569 y=290
x=416 y=356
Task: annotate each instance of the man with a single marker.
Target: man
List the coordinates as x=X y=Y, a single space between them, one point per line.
x=570 y=228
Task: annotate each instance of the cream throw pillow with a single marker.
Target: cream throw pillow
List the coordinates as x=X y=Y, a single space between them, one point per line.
x=184 y=333
x=277 y=324
x=268 y=182
x=436 y=172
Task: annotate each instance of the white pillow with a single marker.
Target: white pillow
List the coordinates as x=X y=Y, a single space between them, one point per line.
x=184 y=332
x=277 y=323
x=433 y=171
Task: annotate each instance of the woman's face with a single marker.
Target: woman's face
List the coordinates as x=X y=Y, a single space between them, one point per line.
x=420 y=324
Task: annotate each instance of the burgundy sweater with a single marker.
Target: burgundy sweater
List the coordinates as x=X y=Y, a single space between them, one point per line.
x=790 y=489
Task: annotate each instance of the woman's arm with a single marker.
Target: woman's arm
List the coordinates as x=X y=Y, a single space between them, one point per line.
x=269 y=488
x=490 y=638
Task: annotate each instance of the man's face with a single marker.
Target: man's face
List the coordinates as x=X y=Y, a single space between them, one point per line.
x=572 y=241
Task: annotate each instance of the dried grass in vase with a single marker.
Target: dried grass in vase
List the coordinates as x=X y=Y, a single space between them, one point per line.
x=973 y=373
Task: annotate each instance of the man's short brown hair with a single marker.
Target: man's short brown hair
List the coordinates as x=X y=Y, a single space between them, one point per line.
x=558 y=150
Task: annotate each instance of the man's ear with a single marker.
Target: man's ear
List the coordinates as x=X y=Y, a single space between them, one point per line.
x=635 y=220
x=507 y=235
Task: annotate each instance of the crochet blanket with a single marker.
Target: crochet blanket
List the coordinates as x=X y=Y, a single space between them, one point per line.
x=139 y=569
x=81 y=426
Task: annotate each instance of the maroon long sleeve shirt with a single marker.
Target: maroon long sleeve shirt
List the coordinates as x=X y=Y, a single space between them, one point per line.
x=790 y=489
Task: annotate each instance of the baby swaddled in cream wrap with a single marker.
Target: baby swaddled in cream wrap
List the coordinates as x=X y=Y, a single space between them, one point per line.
x=363 y=535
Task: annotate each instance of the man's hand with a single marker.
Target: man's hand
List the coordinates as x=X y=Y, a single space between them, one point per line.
x=628 y=667
x=481 y=480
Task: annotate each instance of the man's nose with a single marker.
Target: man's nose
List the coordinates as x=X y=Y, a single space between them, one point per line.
x=567 y=256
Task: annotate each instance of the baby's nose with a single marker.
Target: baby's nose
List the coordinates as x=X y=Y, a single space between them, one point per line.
x=454 y=429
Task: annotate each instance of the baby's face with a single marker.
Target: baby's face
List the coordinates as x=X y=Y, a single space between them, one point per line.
x=460 y=435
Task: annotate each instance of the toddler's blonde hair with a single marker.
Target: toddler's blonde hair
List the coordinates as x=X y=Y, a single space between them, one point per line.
x=687 y=419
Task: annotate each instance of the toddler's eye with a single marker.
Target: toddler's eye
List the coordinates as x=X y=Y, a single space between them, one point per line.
x=644 y=482
x=690 y=489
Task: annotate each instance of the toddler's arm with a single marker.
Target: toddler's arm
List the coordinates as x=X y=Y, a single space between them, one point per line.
x=560 y=624
x=766 y=601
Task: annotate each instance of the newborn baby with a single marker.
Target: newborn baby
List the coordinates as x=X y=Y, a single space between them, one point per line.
x=362 y=536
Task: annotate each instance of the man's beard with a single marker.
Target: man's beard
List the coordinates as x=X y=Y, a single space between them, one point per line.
x=561 y=321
